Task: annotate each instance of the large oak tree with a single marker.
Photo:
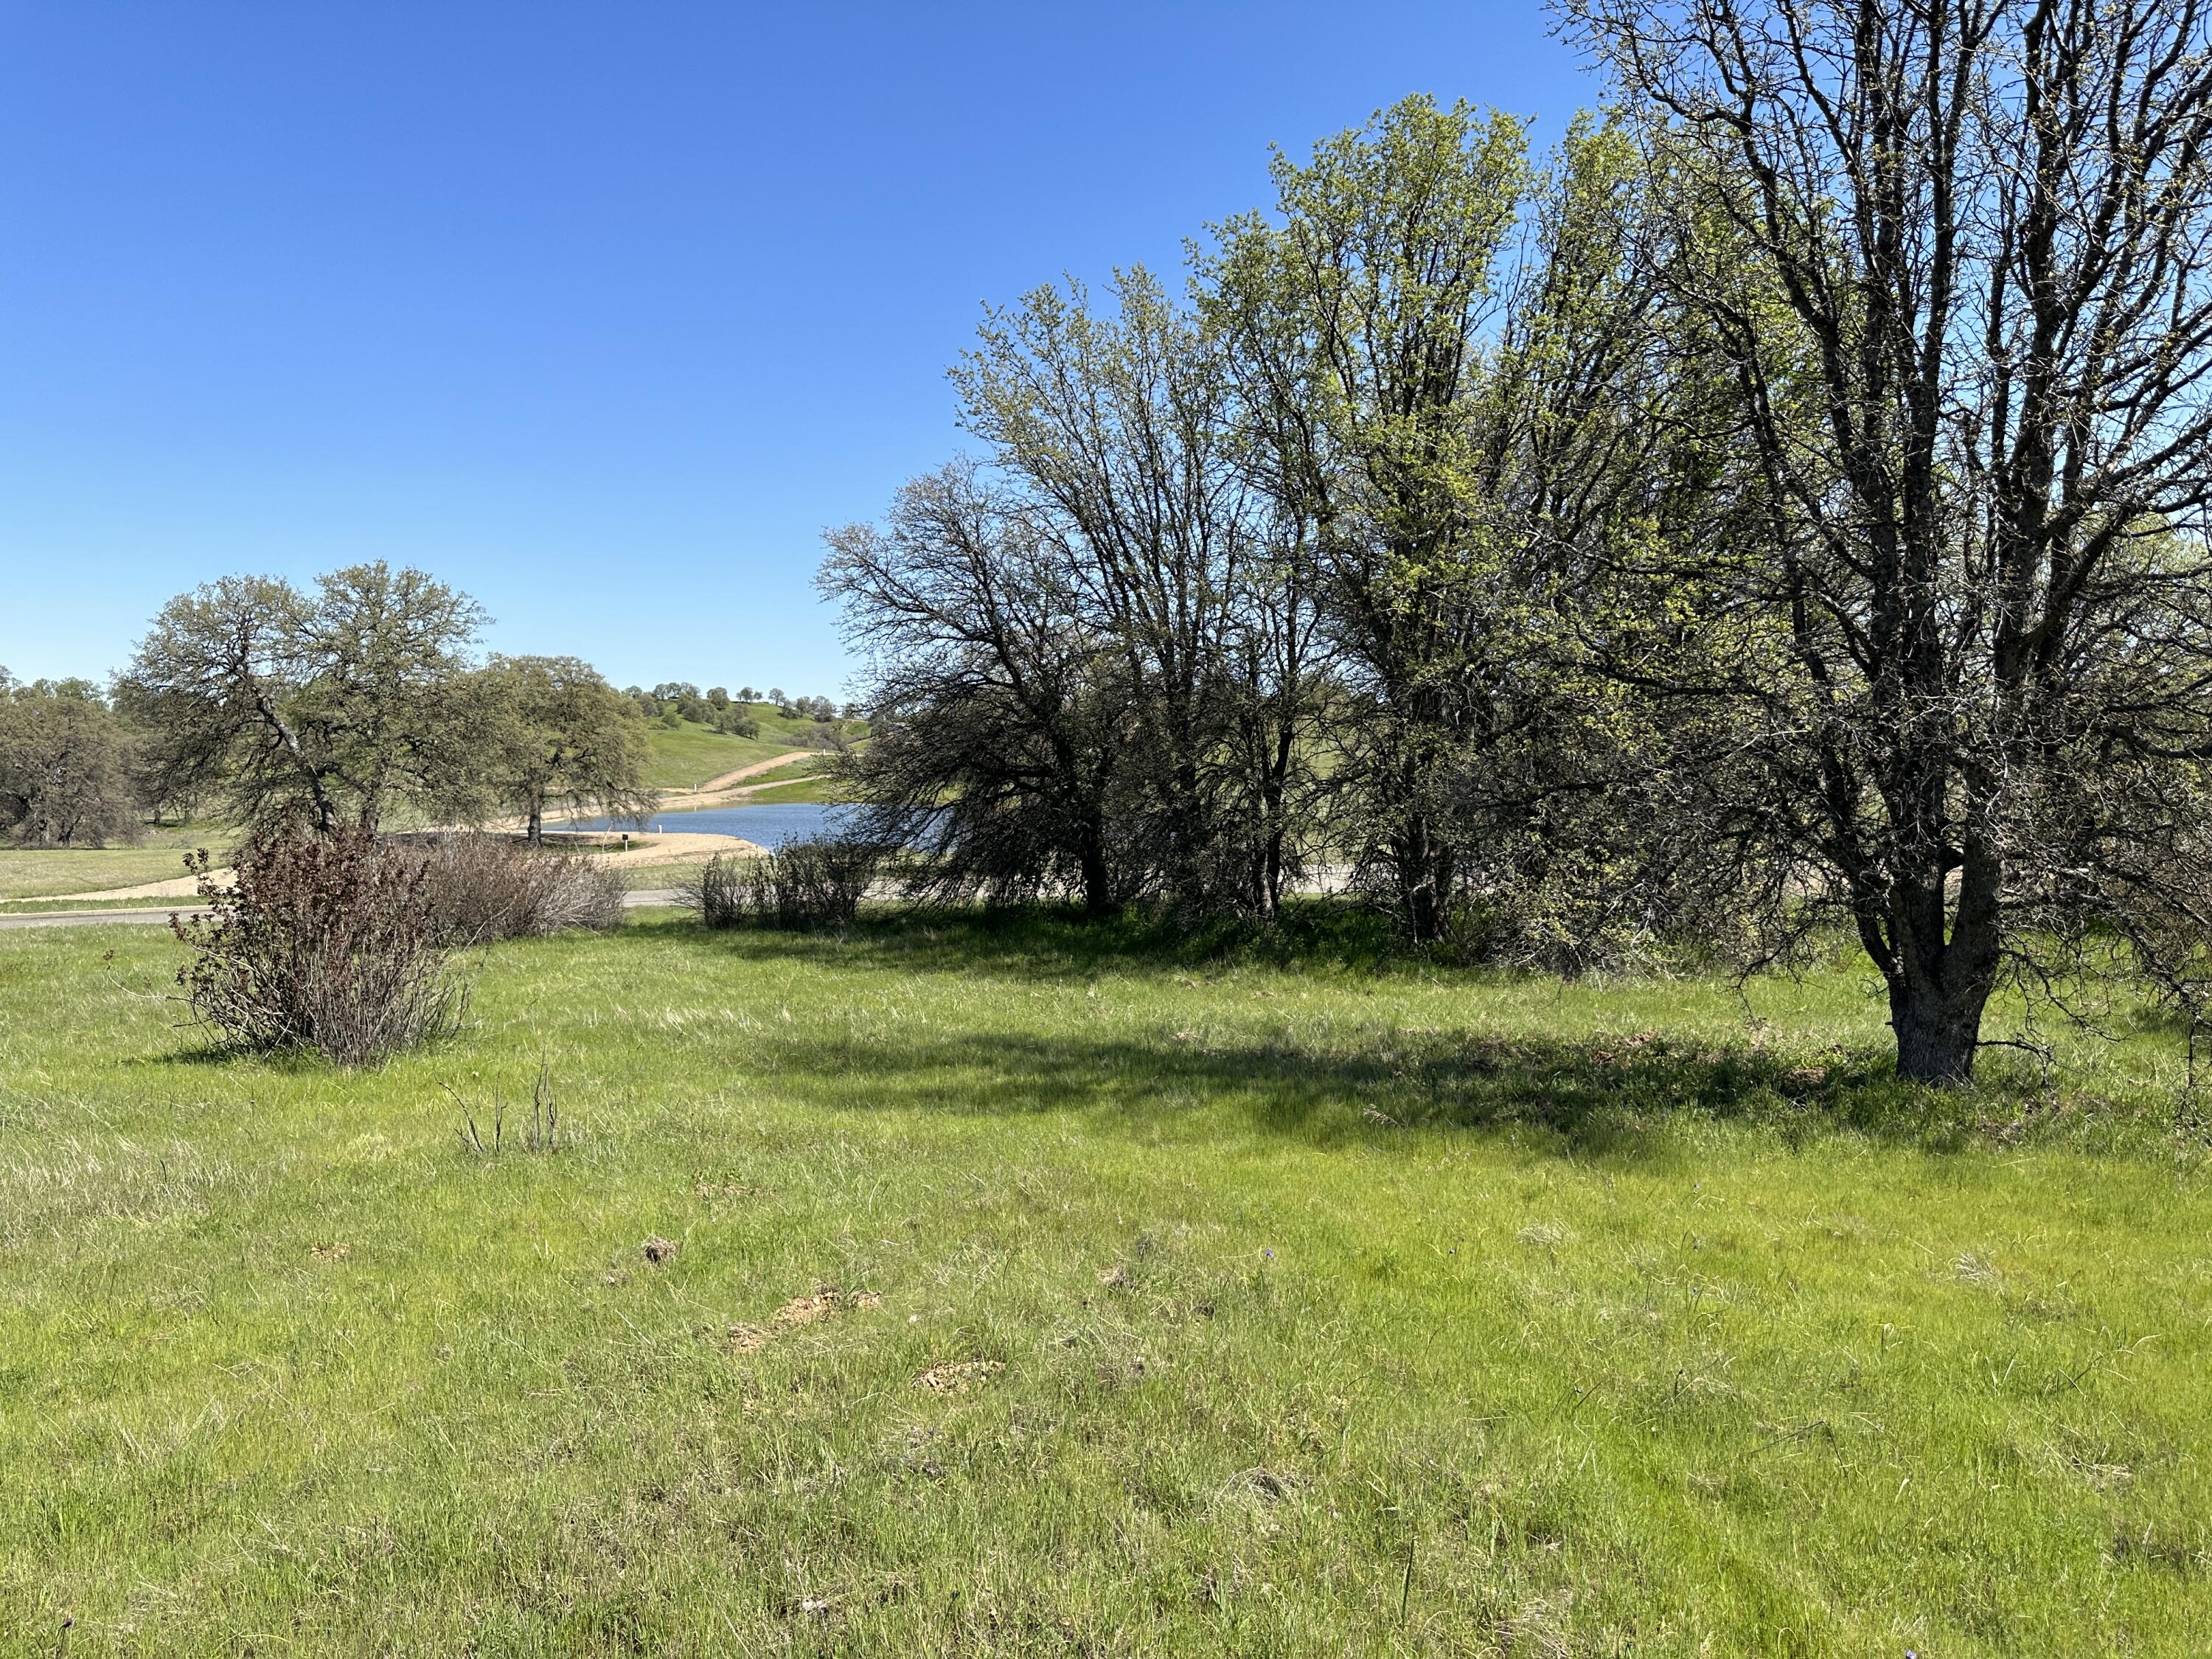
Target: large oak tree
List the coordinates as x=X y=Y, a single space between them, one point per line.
x=63 y=780
x=1955 y=257
x=329 y=706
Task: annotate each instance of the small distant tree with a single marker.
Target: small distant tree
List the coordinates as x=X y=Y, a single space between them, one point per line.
x=735 y=720
x=560 y=731
x=329 y=706
x=674 y=701
x=64 y=781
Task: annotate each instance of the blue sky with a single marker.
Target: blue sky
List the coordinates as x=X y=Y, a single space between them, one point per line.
x=600 y=312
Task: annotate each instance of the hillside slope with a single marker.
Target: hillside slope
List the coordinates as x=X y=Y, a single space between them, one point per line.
x=685 y=756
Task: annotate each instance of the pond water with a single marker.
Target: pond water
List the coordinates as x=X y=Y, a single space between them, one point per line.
x=769 y=825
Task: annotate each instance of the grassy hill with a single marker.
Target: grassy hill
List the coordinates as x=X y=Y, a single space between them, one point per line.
x=686 y=756
x=814 y=791
x=1020 y=1288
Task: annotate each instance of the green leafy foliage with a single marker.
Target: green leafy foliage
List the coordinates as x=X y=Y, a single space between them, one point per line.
x=64 y=779
x=556 y=731
x=327 y=708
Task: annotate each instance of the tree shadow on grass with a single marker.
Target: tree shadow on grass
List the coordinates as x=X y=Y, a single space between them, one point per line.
x=1052 y=944
x=1609 y=1094
x=1613 y=1097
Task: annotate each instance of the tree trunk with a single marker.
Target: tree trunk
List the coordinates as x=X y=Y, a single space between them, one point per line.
x=1938 y=1032
x=1097 y=879
x=536 y=836
x=1424 y=876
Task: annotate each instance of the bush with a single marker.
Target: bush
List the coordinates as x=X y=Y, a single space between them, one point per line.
x=816 y=882
x=736 y=720
x=482 y=888
x=722 y=892
x=332 y=943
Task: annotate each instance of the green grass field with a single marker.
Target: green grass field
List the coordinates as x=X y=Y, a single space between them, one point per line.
x=1041 y=1291
x=43 y=872
x=805 y=791
x=687 y=755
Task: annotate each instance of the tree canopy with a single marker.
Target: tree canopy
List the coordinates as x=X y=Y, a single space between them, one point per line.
x=1785 y=501
x=557 y=730
x=1950 y=266
x=329 y=706
x=64 y=777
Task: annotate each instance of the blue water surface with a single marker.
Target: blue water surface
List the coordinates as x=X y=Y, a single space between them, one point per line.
x=769 y=825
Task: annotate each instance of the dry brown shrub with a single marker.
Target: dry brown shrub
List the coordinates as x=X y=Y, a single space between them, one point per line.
x=485 y=887
x=803 y=885
x=330 y=943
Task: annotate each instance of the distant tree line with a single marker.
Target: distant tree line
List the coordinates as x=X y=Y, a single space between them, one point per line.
x=336 y=707
x=1784 y=503
x=672 y=702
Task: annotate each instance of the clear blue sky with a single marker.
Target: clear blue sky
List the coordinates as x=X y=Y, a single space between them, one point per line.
x=600 y=312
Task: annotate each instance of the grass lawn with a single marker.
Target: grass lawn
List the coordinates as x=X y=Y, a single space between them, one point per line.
x=42 y=872
x=686 y=756
x=661 y=877
x=806 y=791
x=1038 y=1290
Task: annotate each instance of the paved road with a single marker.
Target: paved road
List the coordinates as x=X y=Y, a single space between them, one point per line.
x=81 y=918
x=642 y=898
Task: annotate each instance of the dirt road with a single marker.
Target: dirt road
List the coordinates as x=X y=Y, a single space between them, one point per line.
x=674 y=847
x=729 y=780
x=643 y=899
